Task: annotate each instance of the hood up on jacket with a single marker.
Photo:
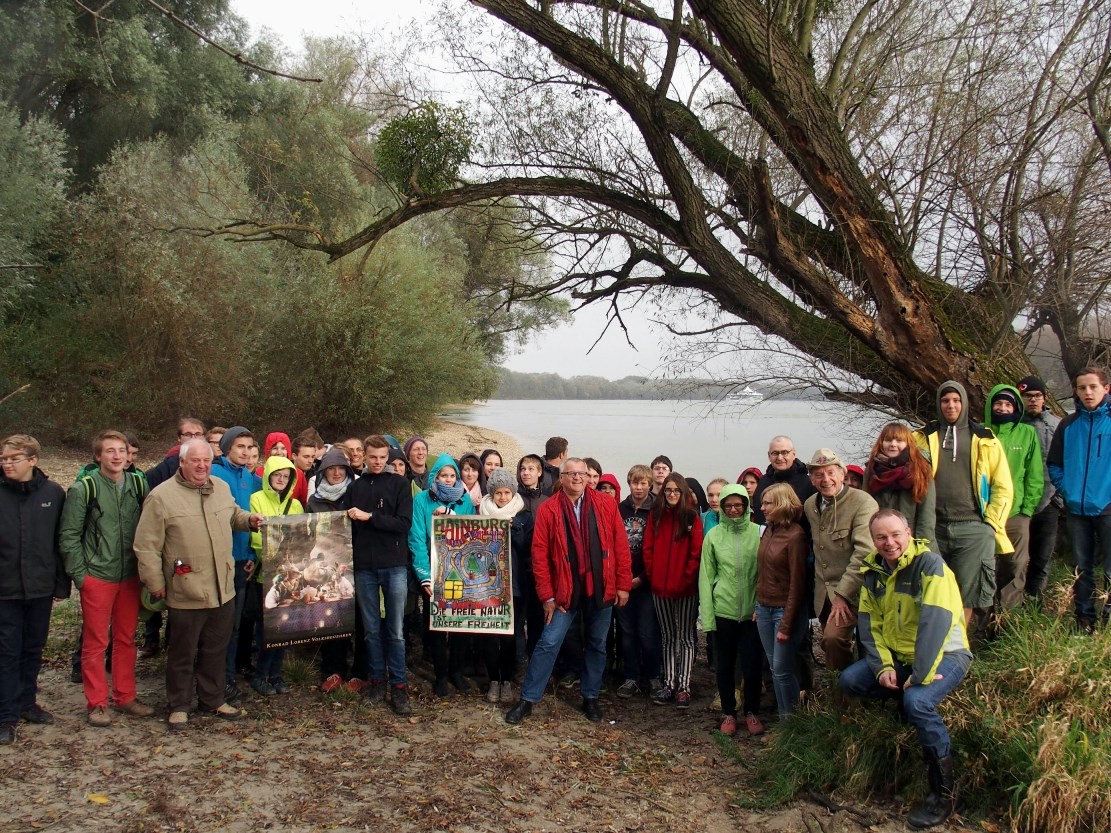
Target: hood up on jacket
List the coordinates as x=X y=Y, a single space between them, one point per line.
x=334 y=457
x=992 y=419
x=734 y=524
x=435 y=487
x=949 y=433
x=272 y=439
x=611 y=480
x=272 y=465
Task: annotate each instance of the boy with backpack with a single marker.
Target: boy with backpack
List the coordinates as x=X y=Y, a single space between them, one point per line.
x=96 y=538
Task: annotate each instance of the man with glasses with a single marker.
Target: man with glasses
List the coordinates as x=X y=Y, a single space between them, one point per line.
x=188 y=428
x=581 y=562
x=32 y=576
x=1047 y=514
x=784 y=467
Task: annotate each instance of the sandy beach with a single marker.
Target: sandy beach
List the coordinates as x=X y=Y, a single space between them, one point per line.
x=457 y=439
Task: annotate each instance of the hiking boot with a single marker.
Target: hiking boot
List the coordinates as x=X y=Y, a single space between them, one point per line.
x=628 y=689
x=7 y=734
x=232 y=692
x=177 y=720
x=99 y=717
x=662 y=696
x=941 y=801
x=75 y=675
x=591 y=709
x=728 y=725
x=518 y=713
x=683 y=700
x=37 y=714
x=399 y=702
x=331 y=683
x=375 y=693
x=493 y=693
x=508 y=693
x=461 y=683
x=753 y=724
x=226 y=712
x=134 y=708
x=262 y=687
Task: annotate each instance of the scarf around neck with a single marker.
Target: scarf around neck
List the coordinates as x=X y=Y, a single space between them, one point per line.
x=891 y=473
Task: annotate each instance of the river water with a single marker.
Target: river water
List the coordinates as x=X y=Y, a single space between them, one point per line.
x=703 y=439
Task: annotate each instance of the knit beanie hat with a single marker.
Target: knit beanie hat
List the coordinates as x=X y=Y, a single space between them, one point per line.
x=500 y=479
x=1031 y=383
x=409 y=443
x=231 y=435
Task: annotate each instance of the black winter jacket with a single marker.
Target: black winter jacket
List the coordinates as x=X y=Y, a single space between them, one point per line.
x=383 y=541
x=30 y=563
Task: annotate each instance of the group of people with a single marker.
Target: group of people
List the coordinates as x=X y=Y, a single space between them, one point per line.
x=941 y=524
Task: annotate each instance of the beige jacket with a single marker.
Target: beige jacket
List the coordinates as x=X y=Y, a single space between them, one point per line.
x=191 y=524
x=841 y=541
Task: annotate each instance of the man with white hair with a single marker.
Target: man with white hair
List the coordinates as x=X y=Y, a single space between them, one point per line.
x=184 y=546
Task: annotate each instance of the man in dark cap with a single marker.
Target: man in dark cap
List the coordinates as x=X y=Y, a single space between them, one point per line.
x=1047 y=514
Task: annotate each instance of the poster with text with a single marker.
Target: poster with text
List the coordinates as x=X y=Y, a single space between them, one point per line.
x=472 y=588
x=308 y=584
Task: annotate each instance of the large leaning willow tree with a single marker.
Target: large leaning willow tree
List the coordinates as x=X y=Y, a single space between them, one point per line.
x=905 y=193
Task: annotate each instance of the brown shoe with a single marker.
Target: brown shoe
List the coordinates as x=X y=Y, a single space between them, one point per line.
x=178 y=720
x=226 y=712
x=99 y=717
x=135 y=708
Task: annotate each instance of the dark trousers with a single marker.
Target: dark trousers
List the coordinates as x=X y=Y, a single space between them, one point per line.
x=24 y=624
x=1043 y=541
x=739 y=640
x=499 y=652
x=242 y=578
x=447 y=650
x=333 y=653
x=640 y=637
x=196 y=651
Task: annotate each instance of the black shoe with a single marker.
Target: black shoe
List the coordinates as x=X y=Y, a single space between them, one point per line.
x=519 y=712
x=441 y=688
x=461 y=683
x=149 y=649
x=942 y=799
x=232 y=692
x=591 y=709
x=37 y=714
x=1085 y=626
x=7 y=734
x=375 y=693
x=75 y=675
x=399 y=702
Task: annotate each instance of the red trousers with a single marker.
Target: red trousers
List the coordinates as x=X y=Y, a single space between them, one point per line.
x=107 y=604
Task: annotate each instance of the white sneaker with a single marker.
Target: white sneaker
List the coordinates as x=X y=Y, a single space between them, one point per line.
x=493 y=694
x=508 y=694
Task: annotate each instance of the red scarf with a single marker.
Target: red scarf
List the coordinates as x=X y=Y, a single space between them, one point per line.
x=579 y=543
x=891 y=473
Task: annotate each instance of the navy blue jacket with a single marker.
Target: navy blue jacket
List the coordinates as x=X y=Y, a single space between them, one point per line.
x=1079 y=460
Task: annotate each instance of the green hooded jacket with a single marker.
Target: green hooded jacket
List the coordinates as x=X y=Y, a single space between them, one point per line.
x=727 y=571
x=1024 y=454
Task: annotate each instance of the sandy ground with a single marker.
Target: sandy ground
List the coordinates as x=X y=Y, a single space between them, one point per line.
x=307 y=761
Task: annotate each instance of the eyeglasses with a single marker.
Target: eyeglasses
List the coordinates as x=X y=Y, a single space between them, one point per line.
x=787 y=453
x=734 y=507
x=1033 y=395
x=12 y=461
x=191 y=435
x=673 y=491
x=575 y=475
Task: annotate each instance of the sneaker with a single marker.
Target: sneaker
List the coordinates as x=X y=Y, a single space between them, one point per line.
x=662 y=696
x=135 y=708
x=508 y=693
x=753 y=724
x=728 y=725
x=715 y=704
x=37 y=714
x=375 y=693
x=99 y=717
x=75 y=675
x=518 y=713
x=7 y=734
x=177 y=720
x=232 y=692
x=1085 y=626
x=683 y=700
x=355 y=685
x=568 y=680
x=279 y=686
x=226 y=712
x=493 y=693
x=331 y=683
x=262 y=687
x=628 y=689
x=399 y=702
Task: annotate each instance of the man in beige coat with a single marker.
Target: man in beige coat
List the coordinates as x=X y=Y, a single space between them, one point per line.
x=838 y=518
x=183 y=544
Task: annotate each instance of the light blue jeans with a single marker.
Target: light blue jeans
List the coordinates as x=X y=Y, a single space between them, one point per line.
x=597 y=626
x=781 y=655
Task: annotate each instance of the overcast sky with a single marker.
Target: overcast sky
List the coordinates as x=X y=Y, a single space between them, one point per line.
x=562 y=351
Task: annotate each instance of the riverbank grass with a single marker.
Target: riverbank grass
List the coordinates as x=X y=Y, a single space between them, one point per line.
x=1031 y=726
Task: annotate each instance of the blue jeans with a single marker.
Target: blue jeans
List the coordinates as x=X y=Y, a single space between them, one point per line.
x=640 y=636
x=242 y=577
x=781 y=655
x=23 y=628
x=597 y=624
x=387 y=652
x=919 y=702
x=1091 y=544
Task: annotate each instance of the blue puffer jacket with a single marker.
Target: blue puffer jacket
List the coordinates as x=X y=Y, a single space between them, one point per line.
x=243 y=483
x=1080 y=460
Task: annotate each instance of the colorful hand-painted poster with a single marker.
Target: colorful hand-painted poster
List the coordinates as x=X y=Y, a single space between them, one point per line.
x=472 y=587
x=308 y=583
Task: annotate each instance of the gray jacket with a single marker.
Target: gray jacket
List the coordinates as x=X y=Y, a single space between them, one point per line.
x=1044 y=425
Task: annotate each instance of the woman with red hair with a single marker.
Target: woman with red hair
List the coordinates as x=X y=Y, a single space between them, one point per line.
x=900 y=477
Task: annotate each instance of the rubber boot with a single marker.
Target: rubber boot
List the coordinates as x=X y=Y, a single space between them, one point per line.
x=942 y=799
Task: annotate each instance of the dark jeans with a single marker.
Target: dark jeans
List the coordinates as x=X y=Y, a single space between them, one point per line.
x=242 y=577
x=741 y=639
x=640 y=637
x=499 y=652
x=1043 y=541
x=1091 y=544
x=23 y=628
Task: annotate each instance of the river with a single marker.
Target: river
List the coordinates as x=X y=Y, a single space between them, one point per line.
x=703 y=439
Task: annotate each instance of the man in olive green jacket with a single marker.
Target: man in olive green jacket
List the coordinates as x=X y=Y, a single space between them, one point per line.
x=184 y=547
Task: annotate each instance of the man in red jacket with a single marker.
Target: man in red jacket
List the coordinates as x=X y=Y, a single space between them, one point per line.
x=581 y=561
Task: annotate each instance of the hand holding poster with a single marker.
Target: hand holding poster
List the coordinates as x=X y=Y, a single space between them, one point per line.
x=472 y=584
x=307 y=578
